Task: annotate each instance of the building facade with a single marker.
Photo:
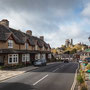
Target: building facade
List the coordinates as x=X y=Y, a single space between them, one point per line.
x=17 y=47
x=85 y=54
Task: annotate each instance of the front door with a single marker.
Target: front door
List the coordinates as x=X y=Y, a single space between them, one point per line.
x=1 y=60
x=32 y=57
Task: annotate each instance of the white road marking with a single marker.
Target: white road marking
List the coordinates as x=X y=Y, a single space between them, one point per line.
x=55 y=70
x=40 y=80
x=58 y=68
x=75 y=79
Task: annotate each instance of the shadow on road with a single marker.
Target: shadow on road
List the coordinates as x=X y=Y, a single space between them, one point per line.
x=15 y=86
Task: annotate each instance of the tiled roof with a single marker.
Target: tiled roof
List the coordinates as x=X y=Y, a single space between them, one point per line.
x=20 y=37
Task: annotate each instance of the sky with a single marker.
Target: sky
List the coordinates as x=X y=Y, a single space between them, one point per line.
x=56 y=20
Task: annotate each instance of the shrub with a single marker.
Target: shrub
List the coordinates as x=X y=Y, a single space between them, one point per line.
x=88 y=66
x=80 y=79
x=1 y=67
x=84 y=87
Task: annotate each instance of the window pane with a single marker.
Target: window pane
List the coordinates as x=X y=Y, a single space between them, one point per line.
x=10 y=43
x=10 y=60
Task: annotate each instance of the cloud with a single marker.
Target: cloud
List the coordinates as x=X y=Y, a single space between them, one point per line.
x=73 y=31
x=55 y=19
x=86 y=10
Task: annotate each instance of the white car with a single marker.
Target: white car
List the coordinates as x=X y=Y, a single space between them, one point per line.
x=80 y=61
x=40 y=62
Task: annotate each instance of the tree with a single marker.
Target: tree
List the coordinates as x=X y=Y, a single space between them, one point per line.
x=73 y=51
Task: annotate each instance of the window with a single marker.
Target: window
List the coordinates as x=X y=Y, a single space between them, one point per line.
x=36 y=47
x=10 y=43
x=26 y=45
x=12 y=58
x=43 y=48
x=49 y=56
x=25 y=57
x=37 y=56
x=48 y=49
x=43 y=56
x=33 y=47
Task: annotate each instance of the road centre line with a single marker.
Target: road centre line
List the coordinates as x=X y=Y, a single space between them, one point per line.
x=58 y=68
x=61 y=66
x=40 y=80
x=55 y=70
x=46 y=76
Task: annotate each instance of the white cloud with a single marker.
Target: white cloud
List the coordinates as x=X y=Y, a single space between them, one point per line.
x=48 y=18
x=86 y=10
x=68 y=31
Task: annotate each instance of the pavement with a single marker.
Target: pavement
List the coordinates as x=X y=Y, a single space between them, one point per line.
x=55 y=76
x=6 y=74
x=87 y=77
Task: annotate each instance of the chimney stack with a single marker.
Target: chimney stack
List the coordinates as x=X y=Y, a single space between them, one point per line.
x=5 y=22
x=29 y=32
x=42 y=38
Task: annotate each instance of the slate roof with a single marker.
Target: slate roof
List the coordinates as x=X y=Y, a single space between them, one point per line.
x=20 y=37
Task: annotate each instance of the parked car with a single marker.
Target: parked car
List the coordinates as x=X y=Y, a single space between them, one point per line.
x=87 y=59
x=40 y=62
x=80 y=61
x=66 y=61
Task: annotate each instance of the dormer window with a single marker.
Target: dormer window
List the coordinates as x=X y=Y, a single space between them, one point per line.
x=10 y=43
x=36 y=47
x=48 y=49
x=26 y=45
x=43 y=48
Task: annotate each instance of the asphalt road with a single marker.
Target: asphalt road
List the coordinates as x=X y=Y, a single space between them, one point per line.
x=55 y=76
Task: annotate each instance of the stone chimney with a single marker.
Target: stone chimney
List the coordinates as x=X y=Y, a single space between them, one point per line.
x=5 y=22
x=42 y=38
x=29 y=32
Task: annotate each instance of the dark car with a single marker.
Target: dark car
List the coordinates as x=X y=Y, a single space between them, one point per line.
x=40 y=62
x=66 y=61
x=87 y=59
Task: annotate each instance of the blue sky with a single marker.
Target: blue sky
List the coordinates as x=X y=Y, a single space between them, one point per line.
x=56 y=20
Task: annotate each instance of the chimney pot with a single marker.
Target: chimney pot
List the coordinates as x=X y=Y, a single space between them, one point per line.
x=29 y=32
x=5 y=22
x=42 y=38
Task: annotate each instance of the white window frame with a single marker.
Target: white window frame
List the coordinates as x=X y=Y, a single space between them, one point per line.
x=10 y=43
x=26 y=45
x=14 y=58
x=25 y=57
x=37 y=56
x=36 y=47
x=48 y=49
x=49 y=56
x=43 y=48
x=43 y=56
